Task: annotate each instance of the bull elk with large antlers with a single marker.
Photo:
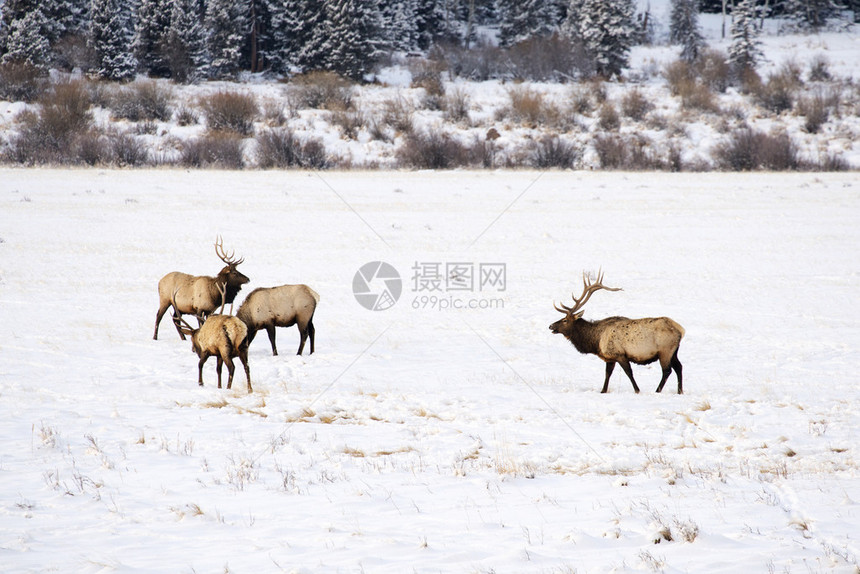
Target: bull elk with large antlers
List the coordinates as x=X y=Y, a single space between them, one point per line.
x=622 y=340
x=199 y=295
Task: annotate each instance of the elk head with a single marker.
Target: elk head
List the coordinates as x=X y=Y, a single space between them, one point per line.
x=574 y=313
x=229 y=276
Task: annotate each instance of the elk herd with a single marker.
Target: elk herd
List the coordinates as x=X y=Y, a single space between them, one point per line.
x=227 y=337
x=616 y=340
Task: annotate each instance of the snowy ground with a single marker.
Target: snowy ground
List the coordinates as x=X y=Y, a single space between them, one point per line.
x=420 y=439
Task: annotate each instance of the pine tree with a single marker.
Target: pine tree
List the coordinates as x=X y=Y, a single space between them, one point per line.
x=399 y=24
x=153 y=19
x=745 y=49
x=811 y=14
x=224 y=23
x=437 y=21
x=606 y=29
x=353 y=33
x=185 y=42
x=27 y=41
x=684 y=28
x=523 y=19
x=110 y=38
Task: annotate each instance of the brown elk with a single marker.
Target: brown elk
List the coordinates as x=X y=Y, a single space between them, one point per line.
x=284 y=306
x=223 y=336
x=199 y=295
x=622 y=340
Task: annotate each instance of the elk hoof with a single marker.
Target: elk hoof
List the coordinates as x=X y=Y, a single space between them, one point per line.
x=200 y=384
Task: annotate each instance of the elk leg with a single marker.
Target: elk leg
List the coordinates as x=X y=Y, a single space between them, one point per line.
x=303 y=336
x=200 y=369
x=243 y=356
x=610 y=366
x=218 y=366
x=676 y=364
x=231 y=368
x=628 y=370
x=158 y=316
x=667 y=370
x=271 y=332
x=311 y=332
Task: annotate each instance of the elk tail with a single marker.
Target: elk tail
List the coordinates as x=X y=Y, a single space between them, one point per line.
x=314 y=294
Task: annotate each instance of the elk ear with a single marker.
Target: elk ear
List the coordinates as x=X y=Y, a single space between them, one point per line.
x=578 y=316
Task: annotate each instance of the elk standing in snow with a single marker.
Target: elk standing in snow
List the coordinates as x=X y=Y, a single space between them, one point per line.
x=198 y=295
x=223 y=336
x=622 y=340
x=284 y=306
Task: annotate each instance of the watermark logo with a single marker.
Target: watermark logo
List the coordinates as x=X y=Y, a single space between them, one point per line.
x=377 y=286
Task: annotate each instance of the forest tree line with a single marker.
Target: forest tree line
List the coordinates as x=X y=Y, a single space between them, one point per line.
x=189 y=40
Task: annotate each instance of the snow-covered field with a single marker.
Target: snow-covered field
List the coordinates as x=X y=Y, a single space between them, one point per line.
x=420 y=439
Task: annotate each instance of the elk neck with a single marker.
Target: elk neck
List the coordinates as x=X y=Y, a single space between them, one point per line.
x=584 y=335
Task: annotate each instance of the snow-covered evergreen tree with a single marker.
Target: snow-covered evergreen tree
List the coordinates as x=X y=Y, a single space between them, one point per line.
x=684 y=28
x=745 y=49
x=298 y=32
x=153 y=19
x=437 y=21
x=27 y=40
x=523 y=19
x=399 y=24
x=606 y=29
x=185 y=42
x=353 y=37
x=110 y=38
x=225 y=24
x=811 y=14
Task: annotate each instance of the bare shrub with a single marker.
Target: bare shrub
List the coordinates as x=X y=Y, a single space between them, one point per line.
x=187 y=116
x=695 y=93
x=581 y=100
x=747 y=149
x=67 y=107
x=548 y=58
x=21 y=82
x=777 y=95
x=635 y=105
x=528 y=106
x=455 y=105
x=832 y=162
x=323 y=91
x=427 y=74
x=618 y=152
x=281 y=148
x=349 y=122
x=216 y=149
x=233 y=112
x=432 y=149
x=142 y=100
x=545 y=58
x=91 y=148
x=608 y=118
x=47 y=136
x=815 y=111
x=397 y=113
x=73 y=51
x=714 y=70
x=819 y=69
x=552 y=151
x=678 y=75
x=275 y=113
x=127 y=150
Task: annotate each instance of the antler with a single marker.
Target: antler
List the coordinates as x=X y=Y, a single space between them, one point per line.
x=177 y=316
x=222 y=288
x=588 y=289
x=219 y=251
